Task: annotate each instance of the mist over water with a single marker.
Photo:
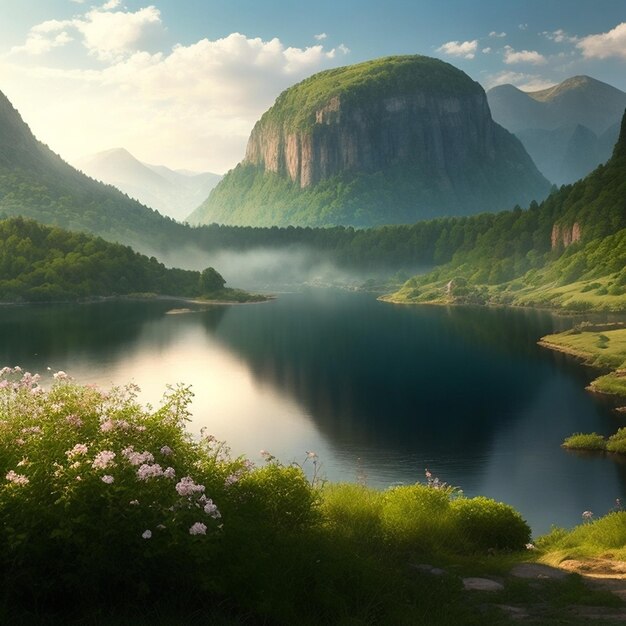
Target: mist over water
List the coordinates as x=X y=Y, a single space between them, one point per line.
x=267 y=269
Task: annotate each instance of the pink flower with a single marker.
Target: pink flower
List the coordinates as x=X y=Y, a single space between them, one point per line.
x=166 y=450
x=198 y=529
x=187 y=487
x=107 y=479
x=149 y=471
x=107 y=426
x=77 y=450
x=210 y=508
x=17 y=479
x=170 y=472
x=231 y=480
x=103 y=459
x=137 y=458
x=74 y=420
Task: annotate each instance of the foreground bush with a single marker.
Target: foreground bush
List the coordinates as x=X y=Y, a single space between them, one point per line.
x=101 y=497
x=106 y=503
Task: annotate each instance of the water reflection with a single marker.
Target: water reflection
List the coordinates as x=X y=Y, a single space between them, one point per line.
x=465 y=392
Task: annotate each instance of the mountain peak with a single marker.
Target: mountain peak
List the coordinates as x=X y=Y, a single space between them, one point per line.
x=576 y=84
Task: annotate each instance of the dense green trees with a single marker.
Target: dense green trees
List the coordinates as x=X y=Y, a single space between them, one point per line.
x=41 y=263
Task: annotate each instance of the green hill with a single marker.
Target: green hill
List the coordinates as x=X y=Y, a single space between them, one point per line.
x=569 y=252
x=38 y=184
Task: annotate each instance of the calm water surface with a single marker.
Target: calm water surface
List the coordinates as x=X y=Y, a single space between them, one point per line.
x=372 y=388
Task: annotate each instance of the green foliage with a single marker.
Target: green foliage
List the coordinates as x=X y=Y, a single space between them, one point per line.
x=41 y=263
x=590 y=539
x=617 y=442
x=295 y=108
x=585 y=441
x=418 y=517
x=210 y=280
x=485 y=524
x=516 y=247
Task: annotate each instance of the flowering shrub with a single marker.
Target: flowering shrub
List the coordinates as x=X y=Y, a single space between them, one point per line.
x=104 y=493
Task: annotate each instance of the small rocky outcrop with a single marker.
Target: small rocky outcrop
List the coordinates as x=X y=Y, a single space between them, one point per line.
x=565 y=235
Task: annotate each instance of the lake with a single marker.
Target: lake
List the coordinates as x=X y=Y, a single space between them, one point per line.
x=379 y=392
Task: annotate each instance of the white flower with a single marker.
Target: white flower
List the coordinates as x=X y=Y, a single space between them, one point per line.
x=198 y=529
x=107 y=479
x=134 y=502
x=60 y=375
x=147 y=534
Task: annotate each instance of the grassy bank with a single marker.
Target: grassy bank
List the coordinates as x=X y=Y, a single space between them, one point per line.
x=598 y=346
x=604 y=347
x=588 y=296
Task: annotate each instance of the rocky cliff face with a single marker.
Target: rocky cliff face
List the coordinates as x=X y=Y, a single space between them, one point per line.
x=389 y=141
x=565 y=235
x=442 y=133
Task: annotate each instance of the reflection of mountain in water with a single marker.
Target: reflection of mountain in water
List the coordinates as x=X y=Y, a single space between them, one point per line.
x=366 y=371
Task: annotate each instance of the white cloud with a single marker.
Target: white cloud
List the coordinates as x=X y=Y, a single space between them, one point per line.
x=605 y=45
x=493 y=33
x=486 y=50
x=106 y=34
x=523 y=56
x=191 y=107
x=111 y=4
x=465 y=49
x=559 y=36
x=43 y=38
x=321 y=36
x=523 y=81
x=522 y=26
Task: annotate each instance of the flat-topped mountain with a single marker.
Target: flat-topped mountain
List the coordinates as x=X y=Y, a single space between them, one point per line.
x=568 y=129
x=172 y=192
x=393 y=140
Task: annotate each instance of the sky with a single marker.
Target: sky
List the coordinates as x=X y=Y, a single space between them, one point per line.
x=182 y=82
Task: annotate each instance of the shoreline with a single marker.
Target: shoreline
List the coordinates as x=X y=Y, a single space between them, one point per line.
x=142 y=298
